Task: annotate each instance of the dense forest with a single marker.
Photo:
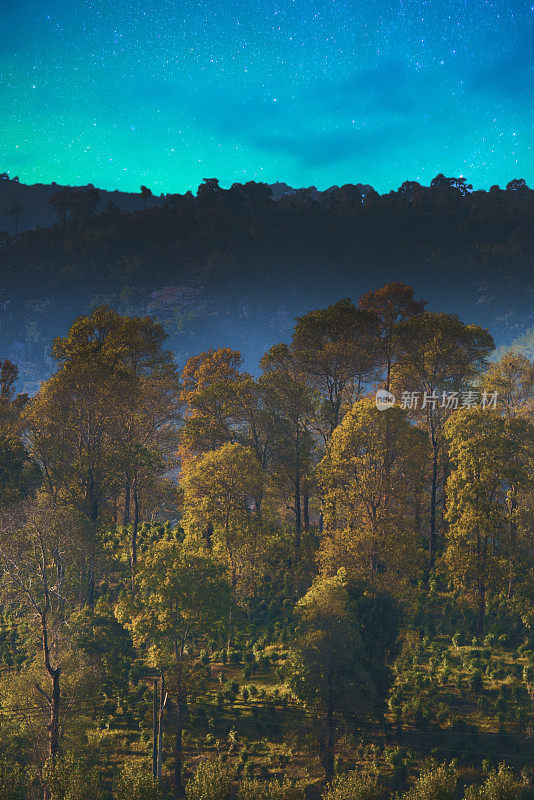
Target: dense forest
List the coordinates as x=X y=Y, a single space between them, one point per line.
x=233 y=265
x=226 y=586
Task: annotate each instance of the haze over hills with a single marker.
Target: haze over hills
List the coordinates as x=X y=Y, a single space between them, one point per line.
x=235 y=266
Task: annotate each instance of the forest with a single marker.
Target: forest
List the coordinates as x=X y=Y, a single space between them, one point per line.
x=237 y=265
x=226 y=586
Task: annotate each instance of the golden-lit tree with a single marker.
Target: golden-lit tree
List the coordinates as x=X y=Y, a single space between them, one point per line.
x=489 y=454
x=366 y=475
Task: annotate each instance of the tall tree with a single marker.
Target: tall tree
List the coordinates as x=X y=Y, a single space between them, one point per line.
x=219 y=489
x=372 y=461
x=145 y=194
x=103 y=421
x=489 y=454
x=14 y=210
x=178 y=604
x=337 y=349
x=392 y=304
x=213 y=389
x=512 y=377
x=437 y=355
x=292 y=444
x=340 y=666
x=37 y=550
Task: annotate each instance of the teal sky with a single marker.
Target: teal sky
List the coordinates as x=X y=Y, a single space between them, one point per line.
x=167 y=93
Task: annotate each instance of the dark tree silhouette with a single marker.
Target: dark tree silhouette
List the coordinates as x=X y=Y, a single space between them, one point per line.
x=145 y=194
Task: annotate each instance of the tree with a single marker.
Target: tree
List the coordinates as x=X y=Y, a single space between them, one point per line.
x=103 y=424
x=437 y=354
x=11 y=404
x=512 y=377
x=489 y=454
x=36 y=555
x=219 y=488
x=145 y=194
x=340 y=667
x=392 y=304
x=61 y=201
x=179 y=601
x=291 y=442
x=19 y=475
x=14 y=210
x=367 y=475
x=336 y=349
x=213 y=390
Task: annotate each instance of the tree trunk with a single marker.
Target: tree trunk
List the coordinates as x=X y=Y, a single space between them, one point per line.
x=178 y=785
x=233 y=582
x=160 y=724
x=432 y=541
x=135 y=524
x=298 y=517
x=481 y=550
x=481 y=606
x=54 y=699
x=328 y=755
x=306 y=509
x=126 y=513
x=513 y=540
x=208 y=536
x=53 y=726
x=155 y=725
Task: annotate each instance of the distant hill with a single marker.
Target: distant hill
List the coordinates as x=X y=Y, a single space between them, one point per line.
x=234 y=266
x=37 y=212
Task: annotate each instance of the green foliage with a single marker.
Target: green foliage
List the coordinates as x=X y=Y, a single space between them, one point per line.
x=476 y=682
x=135 y=782
x=270 y=790
x=12 y=781
x=71 y=779
x=212 y=781
x=436 y=782
x=500 y=784
x=354 y=786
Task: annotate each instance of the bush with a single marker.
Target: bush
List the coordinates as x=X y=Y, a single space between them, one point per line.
x=476 y=682
x=270 y=790
x=11 y=782
x=212 y=781
x=70 y=779
x=436 y=782
x=500 y=784
x=353 y=786
x=135 y=782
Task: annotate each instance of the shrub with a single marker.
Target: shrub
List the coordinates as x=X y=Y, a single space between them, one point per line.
x=476 y=682
x=436 y=782
x=270 y=790
x=70 y=779
x=353 y=786
x=135 y=782
x=11 y=782
x=500 y=784
x=212 y=781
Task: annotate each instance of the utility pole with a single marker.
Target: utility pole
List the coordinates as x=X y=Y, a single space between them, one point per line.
x=155 y=730
x=162 y=704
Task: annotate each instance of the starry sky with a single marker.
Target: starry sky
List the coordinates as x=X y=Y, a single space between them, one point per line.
x=311 y=92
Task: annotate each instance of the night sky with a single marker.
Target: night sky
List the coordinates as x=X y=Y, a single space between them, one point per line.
x=309 y=92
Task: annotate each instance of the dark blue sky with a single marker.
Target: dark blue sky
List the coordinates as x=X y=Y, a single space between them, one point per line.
x=310 y=92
